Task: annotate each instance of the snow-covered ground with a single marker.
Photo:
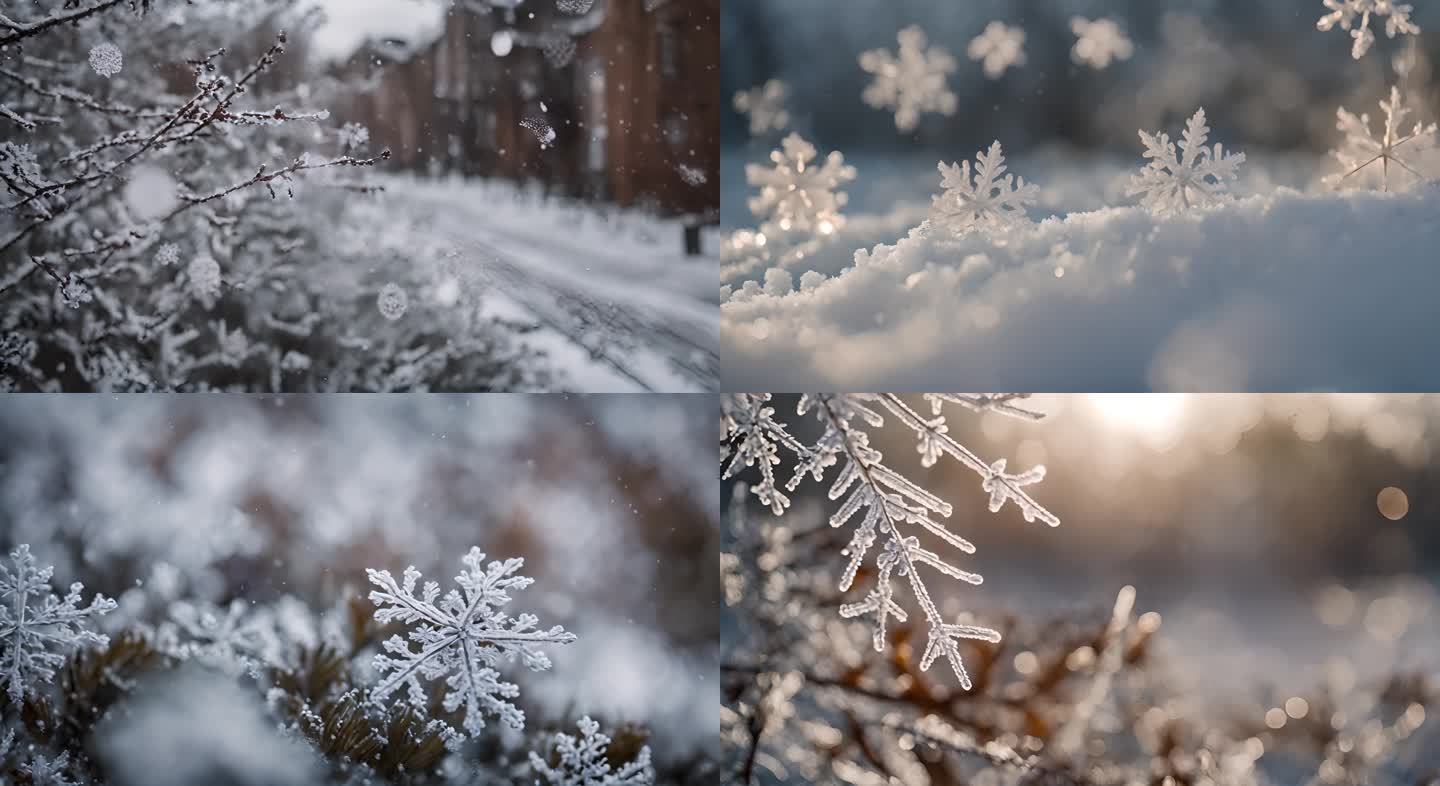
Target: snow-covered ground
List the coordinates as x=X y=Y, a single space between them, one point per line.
x=608 y=295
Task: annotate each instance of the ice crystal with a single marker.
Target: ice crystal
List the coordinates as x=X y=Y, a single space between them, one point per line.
x=234 y=639
x=106 y=59
x=204 y=275
x=1098 y=43
x=893 y=503
x=1000 y=47
x=794 y=195
x=989 y=201
x=544 y=134
x=765 y=105
x=167 y=254
x=574 y=6
x=392 y=301
x=354 y=136
x=692 y=175
x=33 y=620
x=584 y=761
x=910 y=82
x=47 y=771
x=1345 y=13
x=559 y=51
x=1361 y=149
x=1197 y=175
x=462 y=638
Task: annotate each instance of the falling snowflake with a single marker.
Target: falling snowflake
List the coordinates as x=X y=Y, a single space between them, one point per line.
x=353 y=136
x=991 y=201
x=167 y=255
x=1361 y=149
x=392 y=301
x=692 y=175
x=1098 y=43
x=32 y=619
x=559 y=51
x=106 y=59
x=1000 y=46
x=765 y=105
x=234 y=639
x=795 y=195
x=1344 y=13
x=74 y=291
x=204 y=274
x=912 y=82
x=890 y=501
x=585 y=761
x=1174 y=183
x=575 y=7
x=47 y=771
x=544 y=134
x=462 y=639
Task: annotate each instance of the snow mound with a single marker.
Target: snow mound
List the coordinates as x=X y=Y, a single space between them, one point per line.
x=1282 y=291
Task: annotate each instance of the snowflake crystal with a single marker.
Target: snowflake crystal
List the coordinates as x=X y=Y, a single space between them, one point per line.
x=354 y=136
x=1345 y=12
x=32 y=618
x=1174 y=183
x=1361 y=149
x=167 y=254
x=544 y=134
x=1099 y=42
x=1000 y=47
x=890 y=500
x=585 y=761
x=990 y=201
x=796 y=196
x=765 y=105
x=462 y=638
x=911 y=82
x=204 y=276
x=106 y=59
x=392 y=301
x=692 y=175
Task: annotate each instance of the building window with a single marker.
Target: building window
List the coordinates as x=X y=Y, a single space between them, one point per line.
x=669 y=52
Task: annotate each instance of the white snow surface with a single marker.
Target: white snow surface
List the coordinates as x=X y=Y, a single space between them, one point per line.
x=1279 y=291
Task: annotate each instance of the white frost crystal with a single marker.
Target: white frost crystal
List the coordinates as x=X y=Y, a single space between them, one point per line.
x=585 y=761
x=765 y=105
x=392 y=301
x=795 y=195
x=1361 y=151
x=462 y=638
x=204 y=275
x=989 y=201
x=1000 y=47
x=167 y=254
x=910 y=82
x=1354 y=15
x=1173 y=183
x=33 y=620
x=106 y=59
x=1099 y=42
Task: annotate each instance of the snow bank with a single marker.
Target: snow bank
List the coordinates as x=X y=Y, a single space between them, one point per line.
x=1283 y=291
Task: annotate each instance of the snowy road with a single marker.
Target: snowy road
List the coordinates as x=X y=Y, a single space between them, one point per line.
x=617 y=306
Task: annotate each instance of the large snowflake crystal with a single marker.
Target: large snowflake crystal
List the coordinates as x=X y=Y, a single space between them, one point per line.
x=999 y=47
x=585 y=761
x=765 y=105
x=1361 y=150
x=910 y=82
x=1345 y=13
x=1173 y=183
x=895 y=507
x=33 y=621
x=462 y=638
x=1099 y=42
x=796 y=196
x=989 y=201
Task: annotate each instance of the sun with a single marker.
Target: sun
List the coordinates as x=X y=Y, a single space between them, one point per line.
x=1155 y=417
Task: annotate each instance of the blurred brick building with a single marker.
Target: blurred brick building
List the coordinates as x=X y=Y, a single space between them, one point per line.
x=629 y=87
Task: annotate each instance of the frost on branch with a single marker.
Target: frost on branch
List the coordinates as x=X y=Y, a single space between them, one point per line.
x=911 y=81
x=1354 y=15
x=765 y=105
x=1099 y=42
x=1361 y=152
x=462 y=638
x=1195 y=176
x=585 y=761
x=895 y=508
x=989 y=200
x=999 y=47
x=796 y=196
x=33 y=621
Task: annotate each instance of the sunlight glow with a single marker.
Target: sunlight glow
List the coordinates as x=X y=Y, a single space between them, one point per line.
x=1155 y=417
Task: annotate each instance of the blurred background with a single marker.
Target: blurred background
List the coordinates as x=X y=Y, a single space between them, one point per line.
x=274 y=500
x=1281 y=547
x=1269 y=81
